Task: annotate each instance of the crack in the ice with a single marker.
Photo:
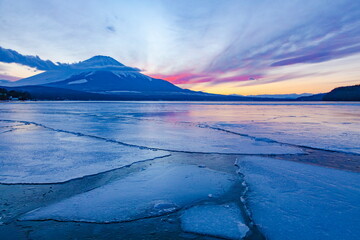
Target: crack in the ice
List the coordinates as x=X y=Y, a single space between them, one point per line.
x=204 y=125
x=82 y=134
x=155 y=215
x=246 y=214
x=268 y=140
x=11 y=126
x=90 y=175
x=7 y=131
x=245 y=206
x=143 y=147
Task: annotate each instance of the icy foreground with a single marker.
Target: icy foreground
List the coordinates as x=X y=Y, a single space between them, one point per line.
x=297 y=201
x=53 y=142
x=326 y=125
x=155 y=191
x=224 y=221
x=112 y=121
x=330 y=125
x=31 y=154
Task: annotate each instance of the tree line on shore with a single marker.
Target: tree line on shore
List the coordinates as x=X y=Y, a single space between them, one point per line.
x=13 y=95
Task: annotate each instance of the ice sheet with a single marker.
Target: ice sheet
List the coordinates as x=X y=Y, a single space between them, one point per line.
x=182 y=137
x=113 y=121
x=224 y=221
x=331 y=126
x=300 y=201
x=32 y=154
x=337 y=136
x=157 y=190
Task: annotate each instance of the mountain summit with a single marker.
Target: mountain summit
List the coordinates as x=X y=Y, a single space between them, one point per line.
x=98 y=61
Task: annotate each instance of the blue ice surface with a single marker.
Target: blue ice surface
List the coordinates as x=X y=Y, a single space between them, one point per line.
x=157 y=190
x=114 y=122
x=327 y=125
x=223 y=221
x=291 y=200
x=32 y=154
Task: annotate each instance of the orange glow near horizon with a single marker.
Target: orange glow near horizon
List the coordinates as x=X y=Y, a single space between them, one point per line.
x=298 y=78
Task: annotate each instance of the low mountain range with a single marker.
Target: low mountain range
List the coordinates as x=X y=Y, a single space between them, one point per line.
x=286 y=96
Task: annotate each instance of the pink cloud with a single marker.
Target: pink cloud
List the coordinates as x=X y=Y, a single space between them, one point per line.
x=213 y=79
x=10 y=78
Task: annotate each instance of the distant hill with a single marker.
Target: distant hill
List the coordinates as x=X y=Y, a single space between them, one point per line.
x=284 y=96
x=315 y=97
x=3 y=81
x=350 y=93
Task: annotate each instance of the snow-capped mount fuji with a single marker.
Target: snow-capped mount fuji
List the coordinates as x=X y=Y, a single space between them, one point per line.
x=102 y=74
x=104 y=78
x=65 y=71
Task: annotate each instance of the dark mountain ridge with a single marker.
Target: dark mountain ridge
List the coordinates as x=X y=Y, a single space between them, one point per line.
x=53 y=93
x=349 y=93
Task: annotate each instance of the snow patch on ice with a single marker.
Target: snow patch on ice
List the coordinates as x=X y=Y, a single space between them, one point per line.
x=78 y=81
x=302 y=201
x=223 y=221
x=162 y=206
x=157 y=190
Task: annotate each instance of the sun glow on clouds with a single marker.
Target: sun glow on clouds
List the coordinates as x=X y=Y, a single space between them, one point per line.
x=241 y=47
x=14 y=71
x=304 y=78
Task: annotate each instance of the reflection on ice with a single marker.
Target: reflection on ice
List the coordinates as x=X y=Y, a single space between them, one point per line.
x=332 y=126
x=300 y=200
x=155 y=191
x=172 y=136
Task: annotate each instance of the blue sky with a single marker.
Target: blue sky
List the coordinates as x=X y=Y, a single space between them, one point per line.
x=244 y=47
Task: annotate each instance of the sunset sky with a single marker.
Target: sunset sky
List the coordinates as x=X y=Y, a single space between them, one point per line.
x=223 y=46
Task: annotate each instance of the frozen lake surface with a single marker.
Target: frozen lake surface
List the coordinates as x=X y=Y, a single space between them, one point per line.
x=179 y=170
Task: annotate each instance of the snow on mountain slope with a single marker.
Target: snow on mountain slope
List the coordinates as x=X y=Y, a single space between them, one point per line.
x=103 y=81
x=45 y=77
